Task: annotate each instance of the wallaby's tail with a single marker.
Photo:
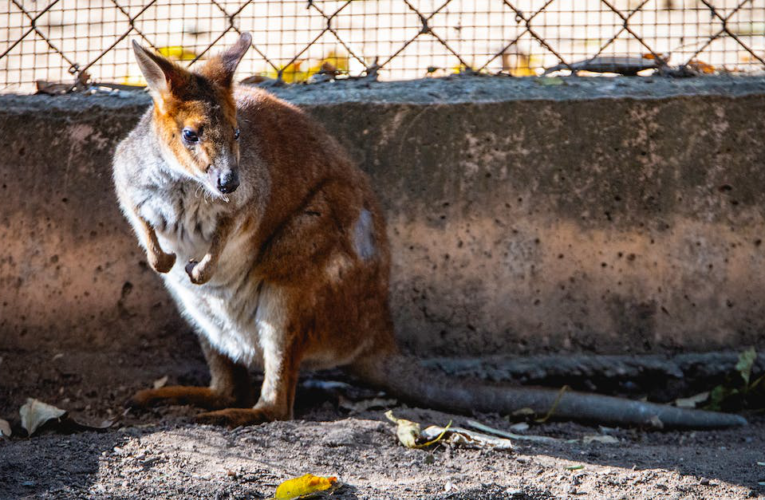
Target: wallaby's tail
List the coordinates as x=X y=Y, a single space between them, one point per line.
x=407 y=380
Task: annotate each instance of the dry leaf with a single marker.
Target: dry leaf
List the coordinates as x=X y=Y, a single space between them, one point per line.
x=510 y=435
x=35 y=413
x=701 y=67
x=304 y=485
x=656 y=422
x=366 y=404
x=692 y=401
x=549 y=81
x=468 y=438
x=409 y=433
x=520 y=427
x=160 y=382
x=597 y=438
x=524 y=412
x=5 y=428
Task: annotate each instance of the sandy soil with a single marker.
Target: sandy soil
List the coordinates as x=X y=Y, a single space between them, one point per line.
x=162 y=453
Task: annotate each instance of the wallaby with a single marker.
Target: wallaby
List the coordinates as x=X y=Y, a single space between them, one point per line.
x=286 y=256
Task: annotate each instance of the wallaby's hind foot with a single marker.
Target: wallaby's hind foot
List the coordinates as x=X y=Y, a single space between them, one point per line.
x=202 y=397
x=235 y=417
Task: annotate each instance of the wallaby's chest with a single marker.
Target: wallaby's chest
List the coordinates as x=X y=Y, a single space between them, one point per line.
x=183 y=218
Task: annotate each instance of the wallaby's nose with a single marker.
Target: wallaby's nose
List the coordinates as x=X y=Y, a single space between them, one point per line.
x=228 y=182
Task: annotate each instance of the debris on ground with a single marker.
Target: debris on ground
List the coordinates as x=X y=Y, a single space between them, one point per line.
x=410 y=434
x=304 y=487
x=36 y=415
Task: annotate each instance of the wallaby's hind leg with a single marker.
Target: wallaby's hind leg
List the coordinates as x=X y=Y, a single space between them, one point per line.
x=229 y=387
x=277 y=396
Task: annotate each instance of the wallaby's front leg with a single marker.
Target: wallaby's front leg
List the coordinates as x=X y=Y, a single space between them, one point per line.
x=229 y=386
x=201 y=272
x=158 y=260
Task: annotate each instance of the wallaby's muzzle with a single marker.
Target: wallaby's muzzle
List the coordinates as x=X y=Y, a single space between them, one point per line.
x=225 y=180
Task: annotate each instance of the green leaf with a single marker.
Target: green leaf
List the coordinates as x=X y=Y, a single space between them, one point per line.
x=745 y=363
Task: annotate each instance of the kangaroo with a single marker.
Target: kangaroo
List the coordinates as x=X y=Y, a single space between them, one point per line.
x=274 y=247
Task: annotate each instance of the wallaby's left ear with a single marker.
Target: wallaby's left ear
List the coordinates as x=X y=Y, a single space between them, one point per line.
x=221 y=67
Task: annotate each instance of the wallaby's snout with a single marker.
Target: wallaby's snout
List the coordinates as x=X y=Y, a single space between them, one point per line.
x=225 y=180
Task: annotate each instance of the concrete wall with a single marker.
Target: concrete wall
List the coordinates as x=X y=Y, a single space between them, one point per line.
x=601 y=215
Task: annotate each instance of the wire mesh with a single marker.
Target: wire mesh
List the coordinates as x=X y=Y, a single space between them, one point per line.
x=81 y=41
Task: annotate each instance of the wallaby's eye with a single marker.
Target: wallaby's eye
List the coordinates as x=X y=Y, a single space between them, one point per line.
x=190 y=136
x=236 y=134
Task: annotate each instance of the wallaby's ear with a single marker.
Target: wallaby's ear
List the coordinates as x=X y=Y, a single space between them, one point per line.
x=162 y=76
x=221 y=67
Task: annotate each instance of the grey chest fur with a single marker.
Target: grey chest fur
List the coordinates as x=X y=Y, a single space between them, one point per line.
x=184 y=217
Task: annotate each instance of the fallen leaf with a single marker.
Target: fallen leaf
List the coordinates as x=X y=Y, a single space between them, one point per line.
x=656 y=422
x=510 y=435
x=36 y=413
x=52 y=88
x=745 y=363
x=366 y=404
x=701 y=67
x=548 y=81
x=692 y=401
x=160 y=382
x=465 y=437
x=524 y=412
x=409 y=432
x=597 y=438
x=177 y=53
x=5 y=428
x=575 y=467
x=303 y=485
x=520 y=427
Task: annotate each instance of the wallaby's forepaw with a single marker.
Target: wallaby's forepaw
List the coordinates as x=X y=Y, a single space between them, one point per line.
x=161 y=262
x=234 y=417
x=199 y=273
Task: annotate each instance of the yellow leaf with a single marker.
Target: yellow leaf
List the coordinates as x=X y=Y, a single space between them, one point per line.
x=304 y=485
x=408 y=432
x=177 y=53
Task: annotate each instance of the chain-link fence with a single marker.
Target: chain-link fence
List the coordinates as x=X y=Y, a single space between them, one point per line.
x=87 y=41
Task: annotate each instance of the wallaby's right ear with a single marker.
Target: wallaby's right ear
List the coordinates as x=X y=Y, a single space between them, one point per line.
x=162 y=76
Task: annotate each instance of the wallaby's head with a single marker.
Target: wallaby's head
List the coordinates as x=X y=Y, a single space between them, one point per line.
x=195 y=114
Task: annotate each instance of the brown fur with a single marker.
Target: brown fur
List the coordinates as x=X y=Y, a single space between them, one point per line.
x=292 y=268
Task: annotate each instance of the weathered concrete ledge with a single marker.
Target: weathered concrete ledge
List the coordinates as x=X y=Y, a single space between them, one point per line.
x=599 y=216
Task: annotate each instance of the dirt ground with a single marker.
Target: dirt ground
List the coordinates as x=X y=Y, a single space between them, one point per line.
x=162 y=453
